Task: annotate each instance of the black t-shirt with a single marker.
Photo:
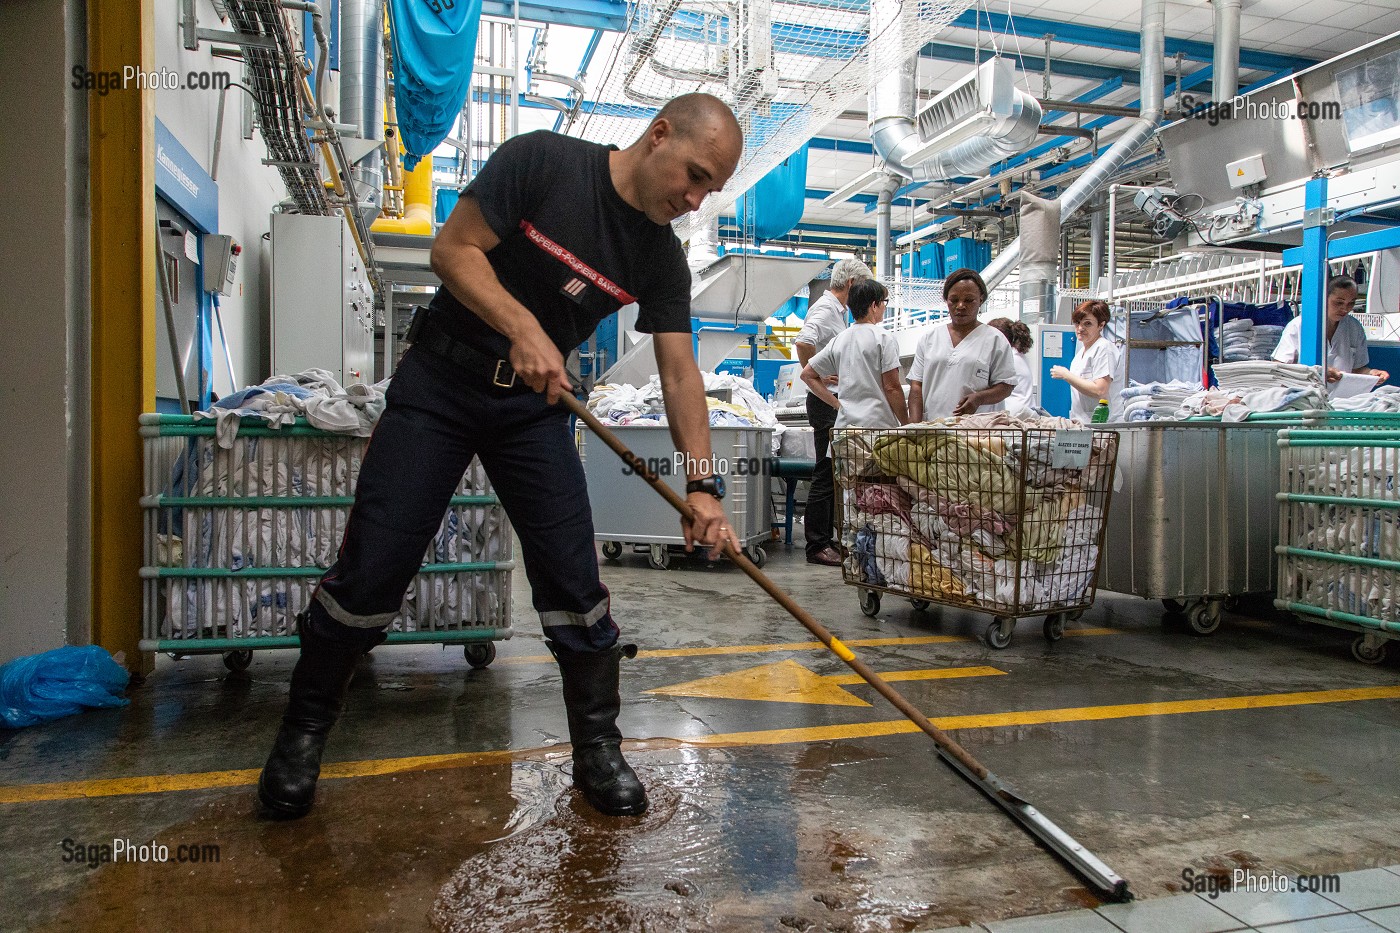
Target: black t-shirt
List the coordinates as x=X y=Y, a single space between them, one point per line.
x=571 y=251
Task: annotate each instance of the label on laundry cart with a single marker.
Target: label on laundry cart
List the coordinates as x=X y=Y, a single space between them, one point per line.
x=1071 y=450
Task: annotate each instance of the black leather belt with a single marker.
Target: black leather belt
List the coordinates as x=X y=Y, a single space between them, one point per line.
x=426 y=333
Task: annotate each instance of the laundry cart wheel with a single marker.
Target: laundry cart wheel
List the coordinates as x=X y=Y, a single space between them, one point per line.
x=479 y=654
x=756 y=554
x=1368 y=649
x=238 y=660
x=1055 y=626
x=870 y=603
x=612 y=550
x=1174 y=606
x=920 y=605
x=999 y=632
x=659 y=557
x=1204 y=616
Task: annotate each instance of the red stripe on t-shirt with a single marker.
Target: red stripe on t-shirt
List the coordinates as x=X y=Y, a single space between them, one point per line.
x=573 y=262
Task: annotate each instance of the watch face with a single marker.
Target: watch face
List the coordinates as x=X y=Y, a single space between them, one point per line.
x=719 y=486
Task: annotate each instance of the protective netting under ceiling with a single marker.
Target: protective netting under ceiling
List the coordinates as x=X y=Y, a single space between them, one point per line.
x=787 y=69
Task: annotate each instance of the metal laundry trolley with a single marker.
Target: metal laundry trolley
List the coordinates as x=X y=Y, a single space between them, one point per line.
x=237 y=532
x=1194 y=517
x=1339 y=526
x=622 y=517
x=1006 y=520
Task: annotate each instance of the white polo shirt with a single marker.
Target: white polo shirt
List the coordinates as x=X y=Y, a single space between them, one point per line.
x=1346 y=350
x=1094 y=363
x=1022 y=397
x=981 y=360
x=860 y=357
x=825 y=321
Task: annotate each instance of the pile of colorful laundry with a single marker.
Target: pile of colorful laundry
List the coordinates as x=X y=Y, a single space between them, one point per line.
x=988 y=510
x=312 y=394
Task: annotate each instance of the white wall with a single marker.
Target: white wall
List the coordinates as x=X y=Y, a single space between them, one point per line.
x=43 y=316
x=247 y=188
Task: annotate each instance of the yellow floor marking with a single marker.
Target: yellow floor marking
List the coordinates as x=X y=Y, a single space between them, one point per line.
x=72 y=790
x=946 y=673
x=801 y=646
x=1040 y=717
x=790 y=682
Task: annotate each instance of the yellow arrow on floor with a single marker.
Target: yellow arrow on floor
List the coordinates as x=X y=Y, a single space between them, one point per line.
x=790 y=682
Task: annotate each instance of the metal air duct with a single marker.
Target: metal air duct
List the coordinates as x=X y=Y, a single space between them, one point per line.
x=362 y=92
x=1227 y=50
x=978 y=121
x=1139 y=131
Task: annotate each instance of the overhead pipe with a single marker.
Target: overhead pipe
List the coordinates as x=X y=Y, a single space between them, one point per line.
x=1077 y=195
x=362 y=90
x=1098 y=233
x=885 y=208
x=1226 y=76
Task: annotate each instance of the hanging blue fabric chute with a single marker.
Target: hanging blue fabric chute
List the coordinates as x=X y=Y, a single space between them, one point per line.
x=434 y=48
x=773 y=206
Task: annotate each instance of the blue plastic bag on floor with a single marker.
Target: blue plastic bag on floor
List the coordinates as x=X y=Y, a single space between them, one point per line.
x=59 y=683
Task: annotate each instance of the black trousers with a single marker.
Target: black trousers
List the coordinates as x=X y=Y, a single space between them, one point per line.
x=438 y=416
x=817 y=520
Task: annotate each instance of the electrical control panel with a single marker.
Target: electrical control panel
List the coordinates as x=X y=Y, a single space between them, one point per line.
x=1247 y=171
x=221 y=253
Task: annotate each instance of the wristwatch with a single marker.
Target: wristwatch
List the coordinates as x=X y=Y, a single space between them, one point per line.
x=714 y=485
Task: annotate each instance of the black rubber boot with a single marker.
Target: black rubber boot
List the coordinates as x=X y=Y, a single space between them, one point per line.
x=329 y=650
x=591 y=697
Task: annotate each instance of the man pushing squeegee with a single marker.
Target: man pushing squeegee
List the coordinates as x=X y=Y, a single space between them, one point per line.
x=553 y=235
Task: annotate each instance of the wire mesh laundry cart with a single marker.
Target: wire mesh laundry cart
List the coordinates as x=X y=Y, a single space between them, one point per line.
x=238 y=533
x=1008 y=520
x=1339 y=534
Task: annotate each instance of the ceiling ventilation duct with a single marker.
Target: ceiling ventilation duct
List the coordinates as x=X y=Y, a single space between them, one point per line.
x=979 y=121
x=982 y=119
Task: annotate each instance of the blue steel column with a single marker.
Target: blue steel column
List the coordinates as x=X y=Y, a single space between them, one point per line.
x=1312 y=340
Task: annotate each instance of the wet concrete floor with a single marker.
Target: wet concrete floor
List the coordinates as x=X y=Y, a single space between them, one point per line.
x=447 y=803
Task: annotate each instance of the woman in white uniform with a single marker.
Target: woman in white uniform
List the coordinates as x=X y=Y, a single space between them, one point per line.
x=1093 y=372
x=961 y=365
x=1346 y=338
x=865 y=360
x=1022 y=397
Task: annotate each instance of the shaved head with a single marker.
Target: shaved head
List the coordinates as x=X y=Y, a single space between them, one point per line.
x=692 y=114
x=689 y=150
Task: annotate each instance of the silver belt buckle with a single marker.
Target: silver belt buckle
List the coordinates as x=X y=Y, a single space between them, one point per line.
x=496 y=377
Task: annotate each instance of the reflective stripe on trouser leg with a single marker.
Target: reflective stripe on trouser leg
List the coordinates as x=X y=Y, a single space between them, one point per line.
x=536 y=472
x=416 y=458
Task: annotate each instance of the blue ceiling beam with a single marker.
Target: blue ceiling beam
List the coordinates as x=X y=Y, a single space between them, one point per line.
x=1119 y=40
x=939 y=51
x=589 y=14
x=1088 y=97
x=819 y=194
x=730 y=221
x=842 y=145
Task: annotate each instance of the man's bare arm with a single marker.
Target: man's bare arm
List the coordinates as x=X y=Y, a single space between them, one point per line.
x=459 y=260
